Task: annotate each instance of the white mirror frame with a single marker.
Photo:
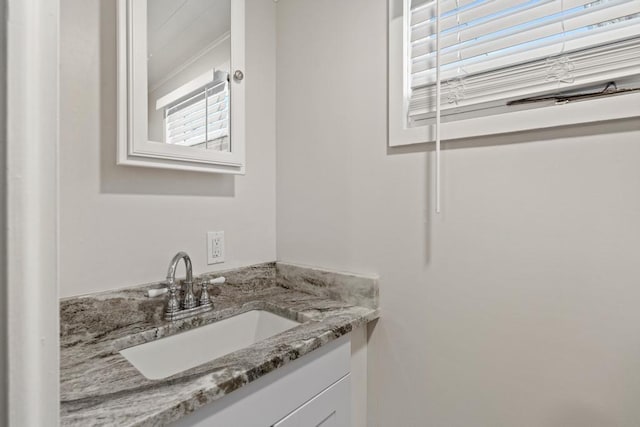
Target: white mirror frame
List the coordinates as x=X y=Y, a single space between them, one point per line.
x=134 y=148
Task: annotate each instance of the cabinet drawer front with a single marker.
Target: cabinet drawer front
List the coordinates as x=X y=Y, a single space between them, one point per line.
x=331 y=408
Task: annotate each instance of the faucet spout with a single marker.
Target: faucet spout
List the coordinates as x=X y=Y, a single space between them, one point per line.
x=188 y=300
x=171 y=273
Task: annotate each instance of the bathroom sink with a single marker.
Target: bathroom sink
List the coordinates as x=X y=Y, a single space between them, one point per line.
x=168 y=356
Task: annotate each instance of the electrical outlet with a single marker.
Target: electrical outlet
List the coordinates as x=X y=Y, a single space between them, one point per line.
x=215 y=247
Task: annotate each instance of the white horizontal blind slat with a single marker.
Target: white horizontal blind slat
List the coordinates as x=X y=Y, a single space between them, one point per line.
x=183 y=127
x=195 y=112
x=427 y=28
x=499 y=48
x=521 y=35
x=521 y=38
x=513 y=20
x=542 y=34
x=426 y=10
x=498 y=62
x=530 y=79
x=193 y=121
x=498 y=13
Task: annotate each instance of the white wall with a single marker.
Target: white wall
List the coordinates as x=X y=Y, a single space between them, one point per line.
x=518 y=306
x=3 y=215
x=120 y=226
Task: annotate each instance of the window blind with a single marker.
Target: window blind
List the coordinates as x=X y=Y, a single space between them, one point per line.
x=492 y=51
x=201 y=118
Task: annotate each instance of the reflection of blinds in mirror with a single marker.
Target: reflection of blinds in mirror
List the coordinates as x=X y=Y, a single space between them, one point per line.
x=200 y=119
x=498 y=50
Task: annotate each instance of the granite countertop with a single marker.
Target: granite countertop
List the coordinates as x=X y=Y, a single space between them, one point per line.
x=98 y=386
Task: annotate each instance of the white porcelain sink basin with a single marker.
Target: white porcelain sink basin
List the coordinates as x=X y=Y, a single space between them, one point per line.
x=177 y=353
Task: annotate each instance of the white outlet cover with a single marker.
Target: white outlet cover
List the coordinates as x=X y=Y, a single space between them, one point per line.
x=215 y=247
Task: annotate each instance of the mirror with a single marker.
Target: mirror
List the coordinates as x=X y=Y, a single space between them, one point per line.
x=181 y=84
x=188 y=59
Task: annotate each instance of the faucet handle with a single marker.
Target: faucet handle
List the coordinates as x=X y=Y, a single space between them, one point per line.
x=204 y=286
x=217 y=281
x=172 y=304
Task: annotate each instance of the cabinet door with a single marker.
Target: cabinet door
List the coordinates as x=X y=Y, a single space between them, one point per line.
x=331 y=408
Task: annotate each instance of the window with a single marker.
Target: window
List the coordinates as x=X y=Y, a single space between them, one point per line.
x=201 y=118
x=493 y=52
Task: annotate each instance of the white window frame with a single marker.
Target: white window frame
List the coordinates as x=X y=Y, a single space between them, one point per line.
x=593 y=110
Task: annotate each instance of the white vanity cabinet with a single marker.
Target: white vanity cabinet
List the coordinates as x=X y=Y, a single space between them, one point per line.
x=313 y=390
x=328 y=409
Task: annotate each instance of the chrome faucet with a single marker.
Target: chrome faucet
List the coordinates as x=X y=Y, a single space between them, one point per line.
x=188 y=306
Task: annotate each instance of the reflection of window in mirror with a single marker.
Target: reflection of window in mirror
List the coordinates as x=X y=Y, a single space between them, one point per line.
x=197 y=114
x=188 y=59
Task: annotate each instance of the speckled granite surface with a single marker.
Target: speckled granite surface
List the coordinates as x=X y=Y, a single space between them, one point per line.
x=351 y=288
x=100 y=387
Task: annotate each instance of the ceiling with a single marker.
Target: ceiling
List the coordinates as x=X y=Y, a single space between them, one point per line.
x=180 y=29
